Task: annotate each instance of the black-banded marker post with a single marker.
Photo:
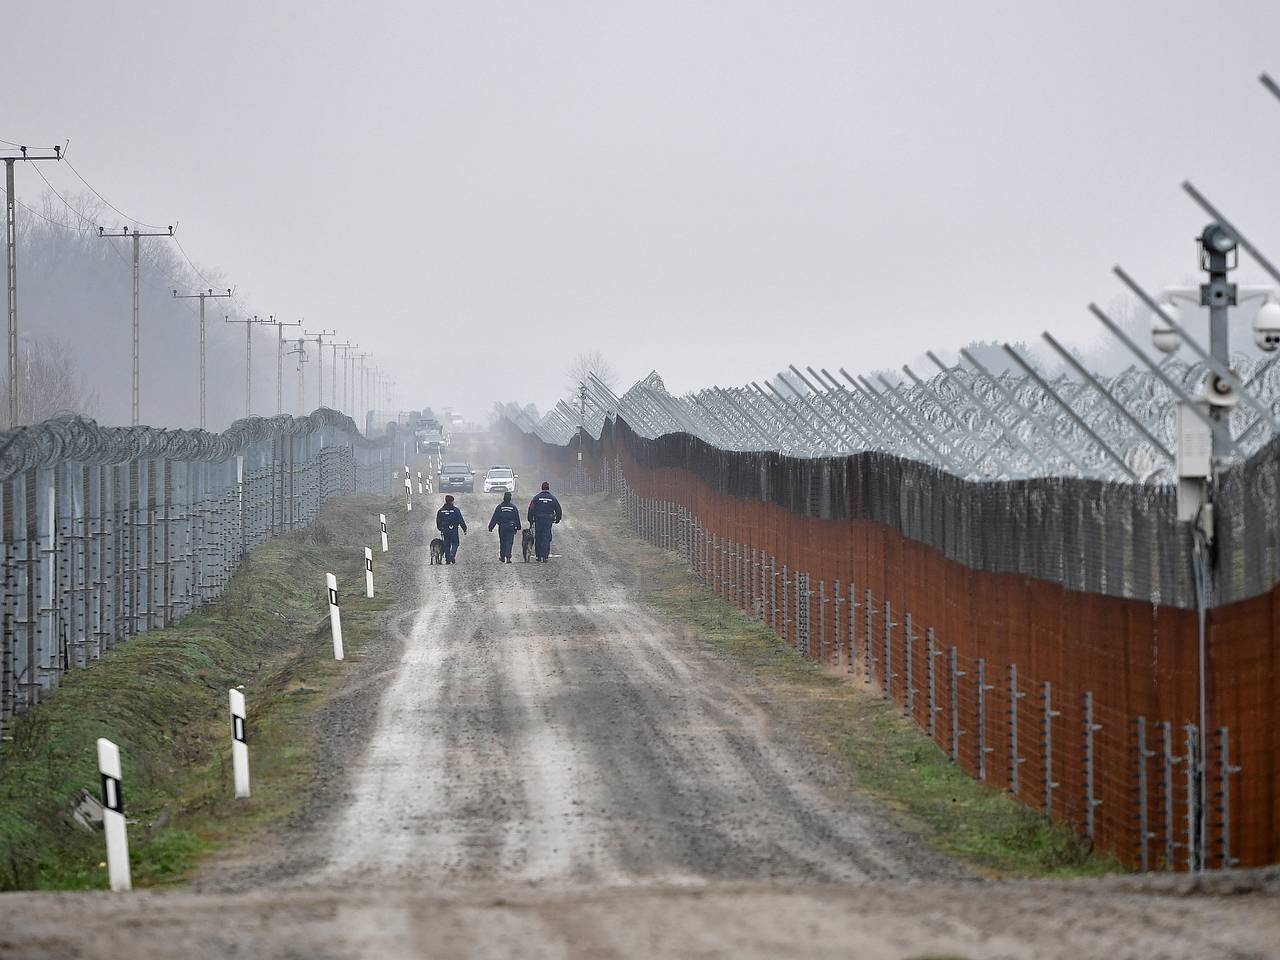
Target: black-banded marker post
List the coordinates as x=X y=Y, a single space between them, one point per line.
x=368 y=573
x=382 y=524
x=239 y=745
x=113 y=824
x=419 y=483
x=335 y=615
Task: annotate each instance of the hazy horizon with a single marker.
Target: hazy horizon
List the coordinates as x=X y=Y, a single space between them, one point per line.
x=477 y=192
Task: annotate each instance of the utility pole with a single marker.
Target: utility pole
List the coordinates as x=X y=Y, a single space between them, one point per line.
x=11 y=233
x=333 y=390
x=358 y=394
x=347 y=404
x=301 y=352
x=201 y=296
x=137 y=236
x=318 y=337
x=280 y=325
x=248 y=359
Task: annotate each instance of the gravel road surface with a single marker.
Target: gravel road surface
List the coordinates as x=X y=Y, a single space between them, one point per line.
x=534 y=765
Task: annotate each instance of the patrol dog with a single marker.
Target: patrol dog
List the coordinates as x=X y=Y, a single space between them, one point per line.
x=526 y=543
x=437 y=550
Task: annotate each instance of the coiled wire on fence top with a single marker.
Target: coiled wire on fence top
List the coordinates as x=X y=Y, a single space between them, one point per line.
x=974 y=423
x=81 y=440
x=108 y=532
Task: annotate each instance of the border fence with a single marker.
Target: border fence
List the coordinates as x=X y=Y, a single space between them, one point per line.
x=109 y=532
x=1044 y=633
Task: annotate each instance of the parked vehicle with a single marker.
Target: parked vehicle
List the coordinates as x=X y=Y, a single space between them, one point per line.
x=457 y=476
x=429 y=436
x=500 y=480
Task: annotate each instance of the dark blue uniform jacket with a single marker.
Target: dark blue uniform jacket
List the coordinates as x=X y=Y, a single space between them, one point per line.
x=449 y=517
x=506 y=517
x=545 y=507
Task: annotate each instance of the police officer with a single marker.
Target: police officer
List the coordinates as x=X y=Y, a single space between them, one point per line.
x=448 y=520
x=506 y=517
x=544 y=510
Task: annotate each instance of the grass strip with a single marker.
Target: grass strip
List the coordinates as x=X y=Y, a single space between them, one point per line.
x=162 y=696
x=880 y=752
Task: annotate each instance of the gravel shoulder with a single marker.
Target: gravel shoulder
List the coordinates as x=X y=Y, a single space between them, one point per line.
x=534 y=764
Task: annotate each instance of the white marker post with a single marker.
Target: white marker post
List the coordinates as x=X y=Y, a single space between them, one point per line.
x=239 y=746
x=419 y=483
x=335 y=616
x=113 y=817
x=382 y=522
x=368 y=573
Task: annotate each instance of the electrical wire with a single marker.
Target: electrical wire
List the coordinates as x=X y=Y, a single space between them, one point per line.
x=64 y=200
x=143 y=223
x=203 y=278
x=37 y=213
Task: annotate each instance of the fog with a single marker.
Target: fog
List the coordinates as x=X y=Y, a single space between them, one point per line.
x=475 y=193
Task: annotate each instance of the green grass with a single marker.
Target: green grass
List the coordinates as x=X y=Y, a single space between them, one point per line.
x=881 y=752
x=162 y=697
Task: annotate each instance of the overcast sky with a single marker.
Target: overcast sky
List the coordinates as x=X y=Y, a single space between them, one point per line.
x=476 y=191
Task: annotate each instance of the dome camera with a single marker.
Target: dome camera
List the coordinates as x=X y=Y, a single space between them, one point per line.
x=1165 y=338
x=1266 y=327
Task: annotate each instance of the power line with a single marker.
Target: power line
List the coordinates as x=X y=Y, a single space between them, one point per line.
x=136 y=236
x=64 y=200
x=141 y=223
x=202 y=277
x=37 y=213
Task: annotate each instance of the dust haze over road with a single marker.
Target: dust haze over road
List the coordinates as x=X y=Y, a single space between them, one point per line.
x=535 y=764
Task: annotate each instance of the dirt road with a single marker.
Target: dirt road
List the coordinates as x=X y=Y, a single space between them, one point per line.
x=551 y=771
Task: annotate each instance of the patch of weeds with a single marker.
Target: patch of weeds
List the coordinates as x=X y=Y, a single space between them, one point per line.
x=162 y=697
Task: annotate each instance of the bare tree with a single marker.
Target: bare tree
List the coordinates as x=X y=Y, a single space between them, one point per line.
x=588 y=362
x=50 y=383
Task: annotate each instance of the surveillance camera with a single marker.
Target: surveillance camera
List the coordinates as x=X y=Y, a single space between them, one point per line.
x=1220 y=392
x=1266 y=327
x=1165 y=338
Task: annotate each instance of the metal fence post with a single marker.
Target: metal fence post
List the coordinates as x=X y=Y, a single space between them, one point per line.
x=1047 y=740
x=773 y=592
x=835 y=626
x=868 y=612
x=888 y=674
x=786 y=620
x=908 y=638
x=1225 y=770
x=854 y=606
x=956 y=732
x=1170 y=760
x=822 y=621
x=931 y=672
x=1014 y=759
x=1144 y=815
x=1091 y=802
x=1192 y=775
x=983 y=687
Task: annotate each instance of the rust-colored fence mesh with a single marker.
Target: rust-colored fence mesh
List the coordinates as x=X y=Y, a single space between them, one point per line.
x=1076 y=692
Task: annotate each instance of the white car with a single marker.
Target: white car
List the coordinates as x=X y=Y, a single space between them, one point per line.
x=500 y=480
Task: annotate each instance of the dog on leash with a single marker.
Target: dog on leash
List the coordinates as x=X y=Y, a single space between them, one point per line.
x=526 y=543
x=437 y=551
